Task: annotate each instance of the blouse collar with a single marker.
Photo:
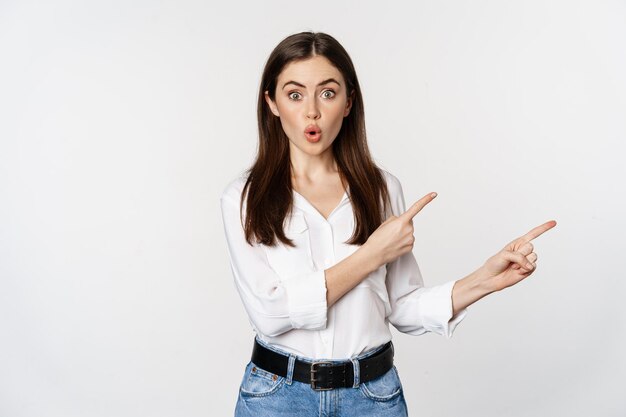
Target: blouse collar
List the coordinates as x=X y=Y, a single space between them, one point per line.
x=303 y=204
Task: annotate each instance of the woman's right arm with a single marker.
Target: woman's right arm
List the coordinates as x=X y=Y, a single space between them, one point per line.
x=348 y=273
x=276 y=304
x=383 y=246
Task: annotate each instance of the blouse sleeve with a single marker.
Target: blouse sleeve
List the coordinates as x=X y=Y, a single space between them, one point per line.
x=417 y=309
x=274 y=304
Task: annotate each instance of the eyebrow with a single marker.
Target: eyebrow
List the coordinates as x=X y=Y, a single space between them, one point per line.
x=330 y=80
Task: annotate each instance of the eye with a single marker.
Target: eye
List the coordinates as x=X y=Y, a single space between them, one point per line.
x=293 y=96
x=328 y=94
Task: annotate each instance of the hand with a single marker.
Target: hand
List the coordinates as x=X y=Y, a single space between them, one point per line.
x=515 y=261
x=394 y=237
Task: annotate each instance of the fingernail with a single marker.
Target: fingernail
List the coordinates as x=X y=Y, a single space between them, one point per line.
x=433 y=195
x=529 y=266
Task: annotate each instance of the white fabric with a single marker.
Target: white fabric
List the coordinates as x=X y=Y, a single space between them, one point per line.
x=283 y=289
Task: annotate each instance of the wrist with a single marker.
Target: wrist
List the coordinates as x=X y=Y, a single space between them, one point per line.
x=468 y=290
x=483 y=282
x=371 y=257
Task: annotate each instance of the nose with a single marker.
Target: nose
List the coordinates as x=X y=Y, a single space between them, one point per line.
x=312 y=111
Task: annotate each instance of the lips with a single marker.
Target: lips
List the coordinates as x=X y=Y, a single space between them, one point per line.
x=313 y=133
x=312 y=130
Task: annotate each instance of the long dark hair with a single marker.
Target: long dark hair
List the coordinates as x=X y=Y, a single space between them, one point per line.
x=270 y=193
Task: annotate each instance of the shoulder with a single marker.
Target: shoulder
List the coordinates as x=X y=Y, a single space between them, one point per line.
x=234 y=188
x=393 y=183
x=396 y=195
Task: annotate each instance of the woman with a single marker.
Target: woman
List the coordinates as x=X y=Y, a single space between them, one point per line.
x=320 y=244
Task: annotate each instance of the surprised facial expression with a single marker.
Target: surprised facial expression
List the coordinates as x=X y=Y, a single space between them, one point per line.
x=311 y=100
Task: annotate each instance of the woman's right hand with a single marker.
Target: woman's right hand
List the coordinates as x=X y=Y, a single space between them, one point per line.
x=394 y=237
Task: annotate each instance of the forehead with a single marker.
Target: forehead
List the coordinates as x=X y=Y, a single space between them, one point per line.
x=310 y=71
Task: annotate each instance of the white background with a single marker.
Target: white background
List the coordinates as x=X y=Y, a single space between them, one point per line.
x=122 y=121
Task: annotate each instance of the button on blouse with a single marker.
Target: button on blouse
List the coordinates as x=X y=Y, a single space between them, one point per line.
x=283 y=289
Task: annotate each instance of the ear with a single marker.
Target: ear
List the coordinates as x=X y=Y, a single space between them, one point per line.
x=271 y=104
x=349 y=102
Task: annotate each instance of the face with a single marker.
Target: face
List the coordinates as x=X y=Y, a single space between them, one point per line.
x=310 y=97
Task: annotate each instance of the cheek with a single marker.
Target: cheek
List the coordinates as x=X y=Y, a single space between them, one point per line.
x=337 y=107
x=287 y=120
x=336 y=114
x=287 y=114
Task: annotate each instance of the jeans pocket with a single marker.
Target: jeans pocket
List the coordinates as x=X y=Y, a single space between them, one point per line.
x=258 y=382
x=384 y=388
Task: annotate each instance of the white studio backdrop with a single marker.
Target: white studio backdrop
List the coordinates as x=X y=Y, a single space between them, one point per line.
x=122 y=122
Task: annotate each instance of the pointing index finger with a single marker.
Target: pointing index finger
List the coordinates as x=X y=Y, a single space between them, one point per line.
x=539 y=230
x=418 y=206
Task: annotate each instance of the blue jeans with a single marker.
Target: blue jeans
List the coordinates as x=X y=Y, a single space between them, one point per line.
x=263 y=393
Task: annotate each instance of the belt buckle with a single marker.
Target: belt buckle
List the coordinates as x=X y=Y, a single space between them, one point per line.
x=313 y=371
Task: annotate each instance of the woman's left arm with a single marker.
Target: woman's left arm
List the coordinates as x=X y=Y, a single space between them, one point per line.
x=512 y=264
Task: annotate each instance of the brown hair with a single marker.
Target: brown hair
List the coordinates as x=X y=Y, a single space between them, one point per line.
x=270 y=194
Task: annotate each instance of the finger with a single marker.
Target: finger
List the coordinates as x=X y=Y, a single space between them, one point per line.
x=526 y=248
x=518 y=259
x=418 y=206
x=530 y=259
x=539 y=230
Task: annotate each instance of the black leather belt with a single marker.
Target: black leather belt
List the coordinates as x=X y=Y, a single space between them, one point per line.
x=323 y=375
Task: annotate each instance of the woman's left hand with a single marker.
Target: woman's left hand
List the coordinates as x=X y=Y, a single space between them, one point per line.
x=515 y=261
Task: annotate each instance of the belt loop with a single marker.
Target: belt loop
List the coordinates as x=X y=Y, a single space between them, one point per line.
x=290 y=367
x=355 y=365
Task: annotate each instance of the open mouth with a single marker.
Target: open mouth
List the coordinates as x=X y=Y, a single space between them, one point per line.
x=313 y=133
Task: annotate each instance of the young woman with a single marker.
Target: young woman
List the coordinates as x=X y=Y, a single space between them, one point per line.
x=320 y=246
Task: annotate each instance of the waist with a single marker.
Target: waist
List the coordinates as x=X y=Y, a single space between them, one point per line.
x=324 y=374
x=336 y=342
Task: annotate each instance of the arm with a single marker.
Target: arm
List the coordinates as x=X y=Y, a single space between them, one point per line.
x=468 y=290
x=417 y=309
x=394 y=239
x=515 y=262
x=276 y=304
x=348 y=273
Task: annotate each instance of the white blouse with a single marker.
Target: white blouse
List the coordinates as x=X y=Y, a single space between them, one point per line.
x=283 y=289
